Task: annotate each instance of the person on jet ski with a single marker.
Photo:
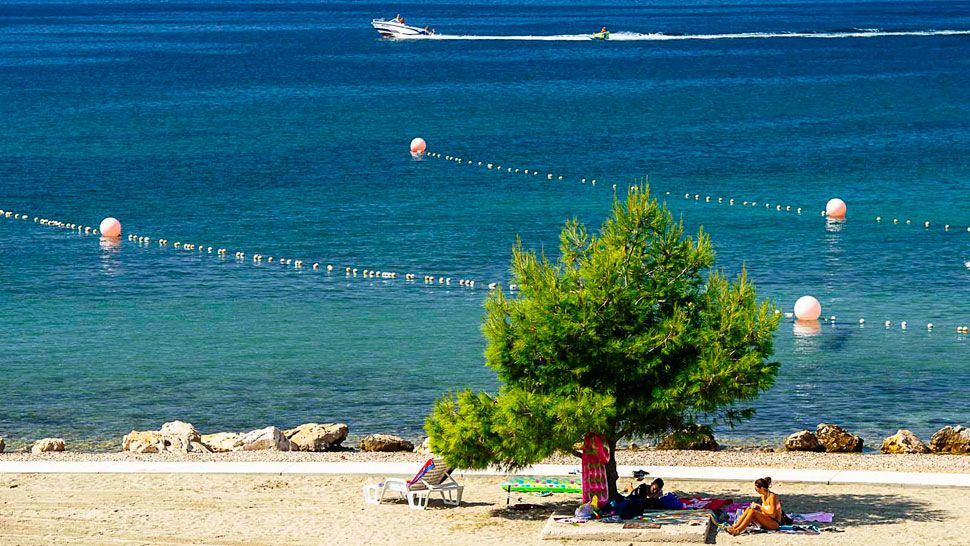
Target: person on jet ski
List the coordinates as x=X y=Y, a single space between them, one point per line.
x=603 y=30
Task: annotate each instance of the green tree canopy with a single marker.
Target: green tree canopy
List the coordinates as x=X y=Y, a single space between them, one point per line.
x=632 y=332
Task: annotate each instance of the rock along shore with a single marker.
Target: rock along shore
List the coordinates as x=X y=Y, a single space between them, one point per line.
x=829 y=446
x=638 y=458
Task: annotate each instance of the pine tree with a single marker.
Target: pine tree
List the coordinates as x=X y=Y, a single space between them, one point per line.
x=631 y=333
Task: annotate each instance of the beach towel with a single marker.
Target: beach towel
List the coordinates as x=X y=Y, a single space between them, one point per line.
x=672 y=517
x=424 y=470
x=817 y=517
x=705 y=503
x=734 y=512
x=798 y=530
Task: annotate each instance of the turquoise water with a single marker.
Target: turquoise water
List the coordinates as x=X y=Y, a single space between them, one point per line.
x=282 y=129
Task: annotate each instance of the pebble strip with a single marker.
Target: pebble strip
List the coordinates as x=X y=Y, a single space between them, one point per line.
x=643 y=458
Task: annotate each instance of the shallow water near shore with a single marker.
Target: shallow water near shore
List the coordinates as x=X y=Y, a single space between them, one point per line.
x=282 y=129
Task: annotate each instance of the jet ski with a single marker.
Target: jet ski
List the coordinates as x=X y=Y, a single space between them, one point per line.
x=396 y=28
x=601 y=35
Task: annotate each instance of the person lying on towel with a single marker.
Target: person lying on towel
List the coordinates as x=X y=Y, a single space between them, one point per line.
x=644 y=497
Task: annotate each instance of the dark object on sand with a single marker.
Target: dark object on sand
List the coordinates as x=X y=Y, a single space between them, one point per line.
x=524 y=506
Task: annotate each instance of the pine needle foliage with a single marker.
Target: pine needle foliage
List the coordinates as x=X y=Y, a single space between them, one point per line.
x=631 y=333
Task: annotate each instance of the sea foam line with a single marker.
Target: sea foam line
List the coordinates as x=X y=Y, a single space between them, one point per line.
x=657 y=36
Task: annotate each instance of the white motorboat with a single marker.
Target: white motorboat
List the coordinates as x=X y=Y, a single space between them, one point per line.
x=395 y=28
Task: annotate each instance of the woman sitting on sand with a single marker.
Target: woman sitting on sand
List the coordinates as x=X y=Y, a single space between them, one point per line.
x=767 y=514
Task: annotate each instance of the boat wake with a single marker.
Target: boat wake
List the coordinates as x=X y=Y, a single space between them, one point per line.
x=638 y=37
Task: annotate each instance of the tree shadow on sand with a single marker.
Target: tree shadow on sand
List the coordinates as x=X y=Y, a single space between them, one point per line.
x=436 y=504
x=541 y=513
x=856 y=509
x=851 y=510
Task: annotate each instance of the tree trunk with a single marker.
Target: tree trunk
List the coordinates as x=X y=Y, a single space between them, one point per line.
x=611 y=473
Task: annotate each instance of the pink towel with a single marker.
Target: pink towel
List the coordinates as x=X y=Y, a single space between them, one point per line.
x=595 y=458
x=820 y=517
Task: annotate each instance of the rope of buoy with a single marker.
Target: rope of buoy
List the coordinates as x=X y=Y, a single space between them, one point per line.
x=492 y=166
x=730 y=201
x=887 y=324
x=350 y=271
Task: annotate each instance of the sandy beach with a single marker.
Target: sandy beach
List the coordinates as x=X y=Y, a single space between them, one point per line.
x=251 y=509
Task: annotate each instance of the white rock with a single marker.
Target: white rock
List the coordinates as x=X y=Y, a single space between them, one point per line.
x=179 y=436
x=316 y=437
x=269 y=438
x=222 y=442
x=149 y=441
x=45 y=445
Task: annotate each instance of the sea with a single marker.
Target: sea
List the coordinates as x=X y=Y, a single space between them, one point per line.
x=283 y=128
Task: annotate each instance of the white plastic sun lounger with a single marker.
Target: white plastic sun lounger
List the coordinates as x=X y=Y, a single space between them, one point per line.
x=434 y=477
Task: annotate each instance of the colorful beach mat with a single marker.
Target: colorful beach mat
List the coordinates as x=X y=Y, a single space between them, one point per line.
x=679 y=526
x=535 y=484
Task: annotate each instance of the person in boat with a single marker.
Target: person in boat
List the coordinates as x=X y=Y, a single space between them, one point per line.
x=768 y=514
x=399 y=19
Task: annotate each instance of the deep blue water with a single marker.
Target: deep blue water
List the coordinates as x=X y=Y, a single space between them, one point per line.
x=282 y=128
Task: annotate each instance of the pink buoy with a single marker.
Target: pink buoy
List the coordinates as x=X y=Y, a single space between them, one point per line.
x=807 y=308
x=418 y=146
x=110 y=227
x=835 y=208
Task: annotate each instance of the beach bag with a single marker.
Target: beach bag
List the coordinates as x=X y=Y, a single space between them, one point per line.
x=585 y=511
x=671 y=502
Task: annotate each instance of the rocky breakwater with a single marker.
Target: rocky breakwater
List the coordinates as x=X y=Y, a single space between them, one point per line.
x=698 y=438
x=306 y=437
x=803 y=440
x=953 y=439
x=316 y=437
x=174 y=436
x=385 y=443
x=424 y=448
x=47 y=445
x=178 y=436
x=269 y=438
x=904 y=441
x=827 y=437
x=836 y=439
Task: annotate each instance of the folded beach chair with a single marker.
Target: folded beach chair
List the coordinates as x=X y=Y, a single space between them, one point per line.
x=434 y=477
